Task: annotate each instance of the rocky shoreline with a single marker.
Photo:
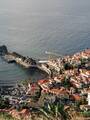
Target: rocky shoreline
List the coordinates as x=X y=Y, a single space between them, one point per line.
x=67 y=85
x=26 y=62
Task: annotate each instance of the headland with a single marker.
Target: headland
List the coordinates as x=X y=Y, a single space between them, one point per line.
x=67 y=88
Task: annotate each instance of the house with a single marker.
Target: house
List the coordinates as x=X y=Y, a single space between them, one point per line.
x=88 y=98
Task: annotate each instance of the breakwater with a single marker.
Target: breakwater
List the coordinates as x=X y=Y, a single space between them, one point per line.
x=70 y=85
x=26 y=62
x=51 y=67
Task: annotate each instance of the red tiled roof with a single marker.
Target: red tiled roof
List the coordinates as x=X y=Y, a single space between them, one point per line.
x=76 y=97
x=58 y=91
x=42 y=81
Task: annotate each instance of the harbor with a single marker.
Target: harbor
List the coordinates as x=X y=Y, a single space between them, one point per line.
x=52 y=66
x=25 y=62
x=68 y=83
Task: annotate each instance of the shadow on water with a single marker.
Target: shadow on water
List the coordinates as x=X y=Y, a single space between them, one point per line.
x=10 y=74
x=36 y=74
x=33 y=73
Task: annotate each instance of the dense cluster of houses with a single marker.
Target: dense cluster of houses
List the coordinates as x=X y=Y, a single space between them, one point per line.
x=69 y=83
x=73 y=82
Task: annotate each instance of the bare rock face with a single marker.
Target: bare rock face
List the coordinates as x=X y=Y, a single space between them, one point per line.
x=3 y=50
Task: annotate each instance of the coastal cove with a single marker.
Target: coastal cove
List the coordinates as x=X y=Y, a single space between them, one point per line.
x=13 y=73
x=33 y=27
x=65 y=91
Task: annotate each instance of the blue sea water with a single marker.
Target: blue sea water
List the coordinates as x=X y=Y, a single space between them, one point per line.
x=31 y=27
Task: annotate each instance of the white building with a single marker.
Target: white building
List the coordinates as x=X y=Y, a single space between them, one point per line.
x=88 y=98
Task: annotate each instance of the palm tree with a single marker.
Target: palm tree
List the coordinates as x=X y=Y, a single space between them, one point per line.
x=55 y=112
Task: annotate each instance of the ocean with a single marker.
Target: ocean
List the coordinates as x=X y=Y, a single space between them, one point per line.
x=31 y=27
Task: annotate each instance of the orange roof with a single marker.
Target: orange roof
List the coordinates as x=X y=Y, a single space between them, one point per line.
x=76 y=97
x=42 y=81
x=87 y=51
x=58 y=91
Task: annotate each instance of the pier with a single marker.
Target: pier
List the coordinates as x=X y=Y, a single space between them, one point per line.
x=49 y=66
x=26 y=62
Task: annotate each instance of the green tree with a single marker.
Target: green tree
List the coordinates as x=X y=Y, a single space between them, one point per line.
x=55 y=112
